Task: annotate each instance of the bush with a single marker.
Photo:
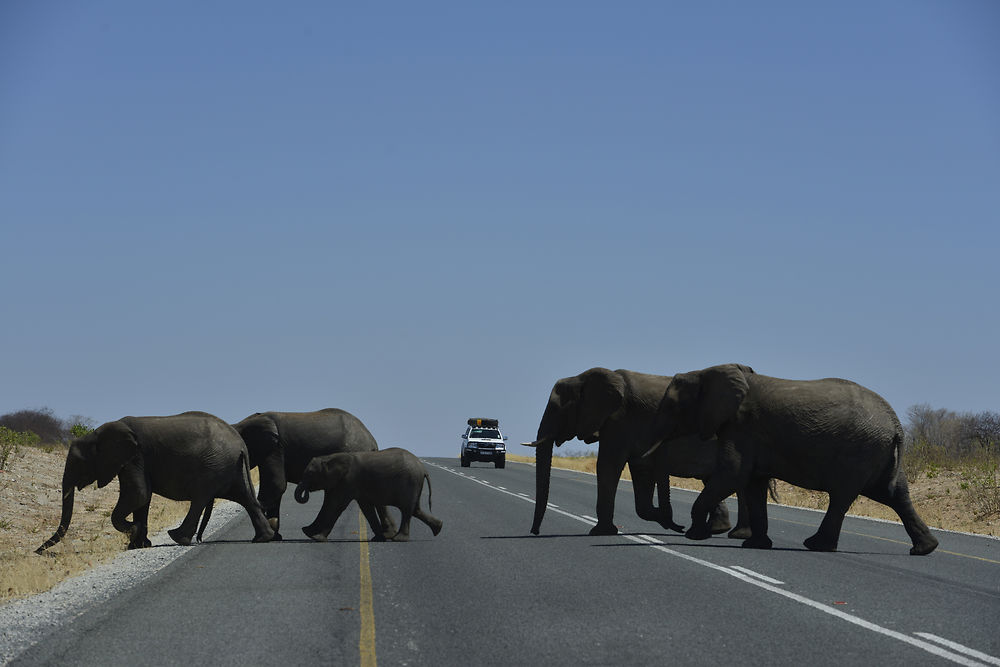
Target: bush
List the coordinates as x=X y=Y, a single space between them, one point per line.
x=41 y=421
x=79 y=430
x=11 y=443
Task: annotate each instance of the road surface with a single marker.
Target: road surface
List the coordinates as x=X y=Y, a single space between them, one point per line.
x=486 y=592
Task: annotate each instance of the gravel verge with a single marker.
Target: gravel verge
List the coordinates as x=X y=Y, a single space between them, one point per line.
x=25 y=622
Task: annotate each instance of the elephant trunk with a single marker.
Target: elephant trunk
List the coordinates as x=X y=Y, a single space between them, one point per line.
x=302 y=492
x=543 y=472
x=67 y=514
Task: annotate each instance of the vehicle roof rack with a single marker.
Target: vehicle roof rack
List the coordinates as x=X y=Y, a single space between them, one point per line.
x=484 y=421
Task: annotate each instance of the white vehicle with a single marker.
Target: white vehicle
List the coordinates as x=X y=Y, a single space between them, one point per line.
x=482 y=441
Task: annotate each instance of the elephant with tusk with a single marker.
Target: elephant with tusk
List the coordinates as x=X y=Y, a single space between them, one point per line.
x=615 y=408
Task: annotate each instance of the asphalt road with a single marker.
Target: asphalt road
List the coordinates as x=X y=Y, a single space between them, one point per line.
x=487 y=592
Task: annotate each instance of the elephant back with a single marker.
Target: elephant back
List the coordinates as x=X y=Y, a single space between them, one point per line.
x=304 y=435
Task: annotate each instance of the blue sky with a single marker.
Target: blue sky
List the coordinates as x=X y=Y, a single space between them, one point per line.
x=422 y=212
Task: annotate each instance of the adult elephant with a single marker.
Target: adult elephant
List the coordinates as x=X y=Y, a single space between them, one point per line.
x=828 y=435
x=192 y=456
x=616 y=408
x=281 y=444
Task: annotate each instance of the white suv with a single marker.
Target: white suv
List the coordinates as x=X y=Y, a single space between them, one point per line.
x=482 y=441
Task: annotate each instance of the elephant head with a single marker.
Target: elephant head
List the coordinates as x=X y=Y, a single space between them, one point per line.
x=577 y=408
x=95 y=457
x=324 y=473
x=699 y=403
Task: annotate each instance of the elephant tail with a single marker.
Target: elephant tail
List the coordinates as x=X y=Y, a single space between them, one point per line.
x=772 y=490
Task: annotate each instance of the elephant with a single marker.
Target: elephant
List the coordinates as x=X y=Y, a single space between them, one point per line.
x=192 y=456
x=829 y=435
x=616 y=408
x=282 y=443
x=391 y=476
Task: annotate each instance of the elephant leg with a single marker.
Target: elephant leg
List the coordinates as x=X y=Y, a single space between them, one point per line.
x=828 y=534
x=404 y=525
x=334 y=505
x=899 y=500
x=755 y=494
x=643 y=482
x=183 y=533
x=241 y=492
x=272 y=486
x=718 y=519
x=140 y=526
x=205 y=518
x=374 y=522
x=133 y=498
x=742 y=530
x=432 y=522
x=386 y=521
x=730 y=476
x=609 y=471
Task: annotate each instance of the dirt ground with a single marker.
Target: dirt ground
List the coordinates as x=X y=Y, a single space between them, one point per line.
x=30 y=506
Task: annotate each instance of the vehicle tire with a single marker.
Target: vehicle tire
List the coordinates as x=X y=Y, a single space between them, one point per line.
x=465 y=462
x=500 y=462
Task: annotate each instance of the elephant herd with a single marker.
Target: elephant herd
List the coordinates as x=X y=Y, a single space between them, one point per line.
x=727 y=425
x=737 y=430
x=197 y=457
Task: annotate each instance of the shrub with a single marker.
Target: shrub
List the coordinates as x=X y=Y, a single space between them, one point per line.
x=11 y=443
x=41 y=421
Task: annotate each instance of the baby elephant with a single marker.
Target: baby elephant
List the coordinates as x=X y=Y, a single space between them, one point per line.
x=387 y=477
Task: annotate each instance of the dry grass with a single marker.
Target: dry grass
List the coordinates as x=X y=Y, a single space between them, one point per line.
x=941 y=497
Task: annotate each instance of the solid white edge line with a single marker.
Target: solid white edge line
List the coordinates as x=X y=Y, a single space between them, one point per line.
x=653 y=543
x=760 y=576
x=955 y=646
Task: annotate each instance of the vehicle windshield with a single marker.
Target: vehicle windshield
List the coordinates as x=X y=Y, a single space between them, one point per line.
x=485 y=433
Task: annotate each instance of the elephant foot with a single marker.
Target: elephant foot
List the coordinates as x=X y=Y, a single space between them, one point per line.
x=400 y=537
x=263 y=537
x=720 y=525
x=316 y=537
x=670 y=525
x=379 y=537
x=277 y=536
x=816 y=543
x=436 y=528
x=924 y=547
x=604 y=529
x=140 y=544
x=762 y=542
x=740 y=533
x=181 y=539
x=698 y=532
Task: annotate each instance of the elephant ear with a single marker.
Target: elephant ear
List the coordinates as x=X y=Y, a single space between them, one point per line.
x=602 y=394
x=721 y=392
x=260 y=433
x=116 y=446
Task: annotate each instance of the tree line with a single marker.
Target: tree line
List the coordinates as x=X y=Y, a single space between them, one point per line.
x=959 y=434
x=43 y=423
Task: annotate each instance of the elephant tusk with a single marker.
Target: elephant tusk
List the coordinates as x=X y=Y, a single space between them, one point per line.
x=653 y=448
x=529 y=444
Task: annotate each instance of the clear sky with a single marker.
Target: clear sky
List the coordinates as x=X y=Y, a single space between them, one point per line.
x=423 y=212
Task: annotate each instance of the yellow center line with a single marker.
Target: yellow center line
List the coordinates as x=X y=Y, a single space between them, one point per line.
x=886 y=539
x=366 y=645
